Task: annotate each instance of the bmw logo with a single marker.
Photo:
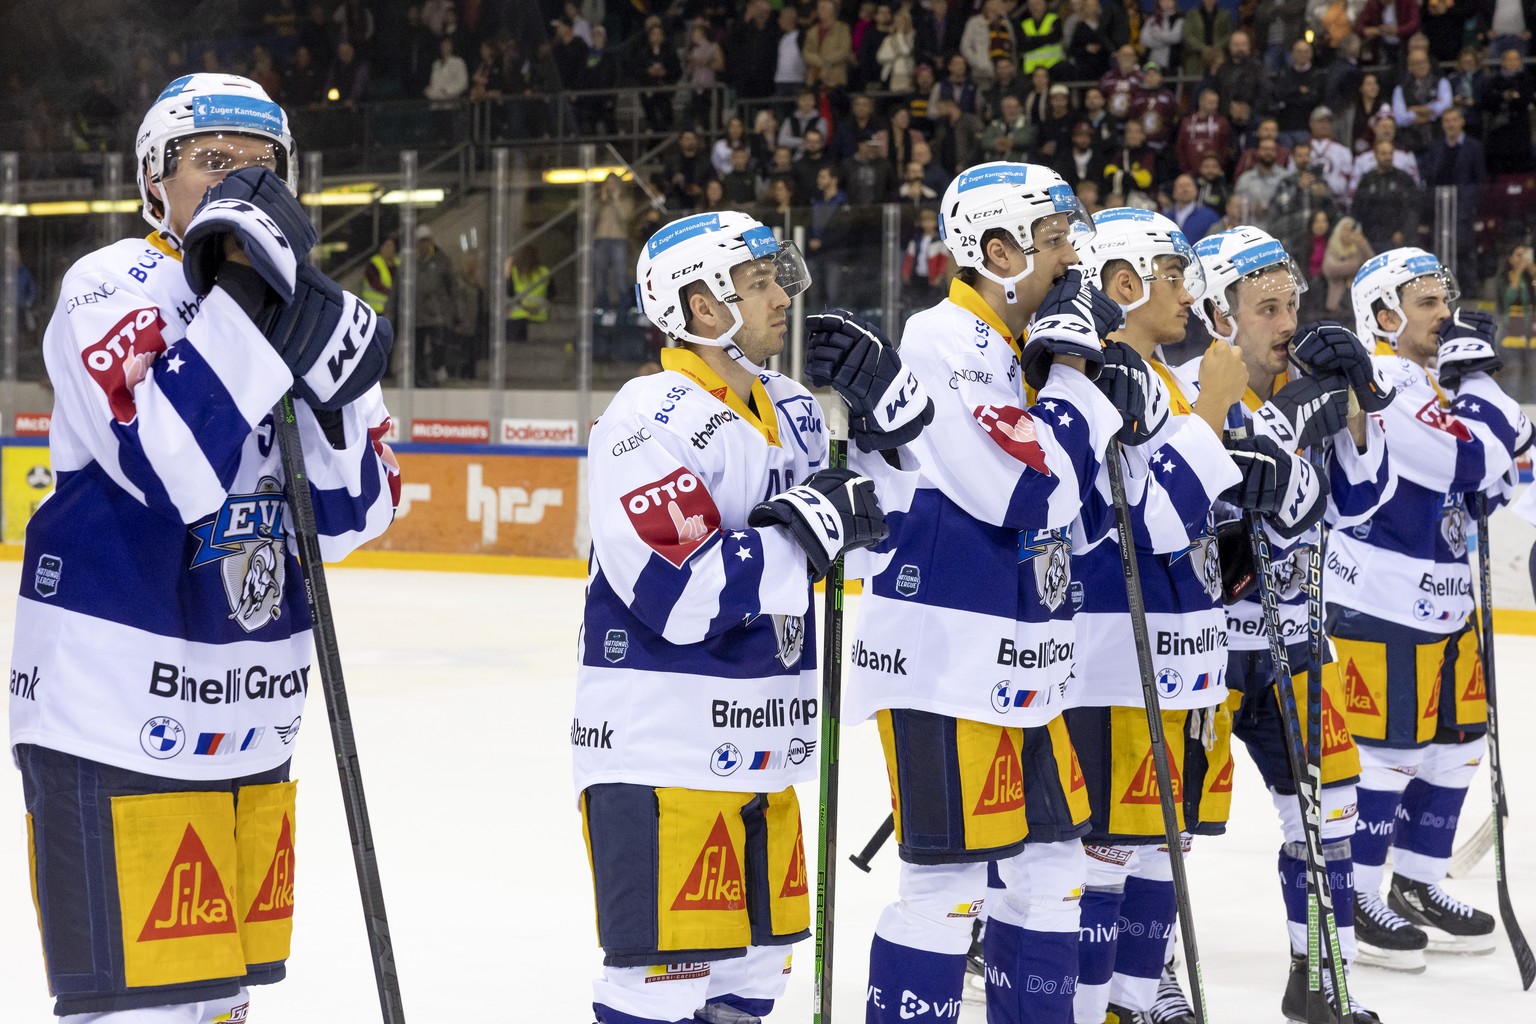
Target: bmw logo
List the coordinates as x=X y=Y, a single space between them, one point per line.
x=725 y=760
x=162 y=738
x=1423 y=609
x=1169 y=682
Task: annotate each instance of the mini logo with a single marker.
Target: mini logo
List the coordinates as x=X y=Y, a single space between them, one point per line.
x=1169 y=682
x=908 y=580
x=46 y=579
x=616 y=645
x=286 y=733
x=725 y=760
x=162 y=738
x=799 y=749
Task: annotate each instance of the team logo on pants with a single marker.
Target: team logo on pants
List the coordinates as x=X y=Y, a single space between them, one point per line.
x=248 y=540
x=1048 y=552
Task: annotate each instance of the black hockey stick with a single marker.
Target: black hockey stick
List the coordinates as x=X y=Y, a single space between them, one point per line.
x=863 y=857
x=831 y=710
x=328 y=656
x=1154 y=708
x=1524 y=958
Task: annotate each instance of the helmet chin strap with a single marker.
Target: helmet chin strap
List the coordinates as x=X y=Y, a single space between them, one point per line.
x=1009 y=284
x=726 y=341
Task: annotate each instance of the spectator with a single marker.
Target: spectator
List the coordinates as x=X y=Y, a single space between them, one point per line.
x=763 y=140
x=868 y=36
x=956 y=86
x=1468 y=82
x=1297 y=89
x=347 y=80
x=1387 y=203
x=923 y=84
x=1334 y=160
x=1301 y=194
x=1157 y=110
x=1239 y=211
x=434 y=308
x=1268 y=128
x=581 y=28
x=96 y=117
x=897 y=55
x=684 y=172
x=804 y=117
x=1192 y=216
x=1456 y=160
x=1009 y=136
x=317 y=33
x=1083 y=160
x=1507 y=102
x=753 y=45
x=1096 y=113
x=1244 y=128
x=450 y=78
x=957 y=136
x=782 y=164
x=735 y=137
x=1384 y=26
x=1207 y=30
x=740 y=182
x=1341 y=79
x=1276 y=24
x=379 y=275
x=1242 y=76
x=301 y=82
x=1510 y=26
x=914 y=191
x=861 y=124
x=789 y=70
x=1418 y=101
x=597 y=114
x=439 y=17
x=1259 y=183
x=713 y=198
x=1163 y=34
x=1088 y=194
x=1203 y=131
x=1516 y=289
x=808 y=164
x=1346 y=253
x=828 y=48
x=264 y=73
x=867 y=177
x=1319 y=234
x=1386 y=131
x=1037 y=102
x=529 y=291
x=1040 y=37
x=780 y=209
x=1132 y=166
x=418 y=49
x=702 y=62
x=354 y=24
x=1355 y=126
x=935 y=175
x=924 y=264
x=938 y=34
x=468 y=343
x=1212 y=185
x=1005 y=82
x=830 y=235
x=1122 y=85
x=655 y=64
x=987 y=35
x=1090 y=45
x=611 y=264
x=1055 y=135
x=898 y=146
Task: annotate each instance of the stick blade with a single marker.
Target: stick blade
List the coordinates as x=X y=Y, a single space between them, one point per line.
x=1524 y=958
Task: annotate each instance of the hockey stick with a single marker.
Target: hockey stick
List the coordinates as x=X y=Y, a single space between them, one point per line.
x=831 y=710
x=328 y=656
x=863 y=857
x=1471 y=853
x=1524 y=958
x=1154 y=709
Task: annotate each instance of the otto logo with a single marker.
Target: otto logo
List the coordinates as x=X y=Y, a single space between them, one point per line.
x=674 y=515
x=725 y=760
x=1013 y=431
x=137 y=337
x=162 y=738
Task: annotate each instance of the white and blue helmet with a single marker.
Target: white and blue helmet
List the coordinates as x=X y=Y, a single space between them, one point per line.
x=1232 y=255
x=1010 y=197
x=1140 y=237
x=1379 y=285
x=207 y=104
x=707 y=247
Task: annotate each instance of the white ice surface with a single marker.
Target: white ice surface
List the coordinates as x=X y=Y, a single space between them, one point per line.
x=460 y=690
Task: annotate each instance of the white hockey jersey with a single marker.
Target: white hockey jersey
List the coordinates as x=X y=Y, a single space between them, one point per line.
x=162 y=624
x=1408 y=562
x=698 y=647
x=966 y=608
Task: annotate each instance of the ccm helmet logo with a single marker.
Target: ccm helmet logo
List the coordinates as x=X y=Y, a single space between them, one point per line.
x=996 y=211
x=687 y=270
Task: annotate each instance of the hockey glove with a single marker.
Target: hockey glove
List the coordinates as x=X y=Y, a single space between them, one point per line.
x=887 y=405
x=1266 y=469
x=1131 y=387
x=833 y=511
x=335 y=345
x=1307 y=410
x=1467 y=347
x=1072 y=321
x=1239 y=569
x=1326 y=348
x=256 y=207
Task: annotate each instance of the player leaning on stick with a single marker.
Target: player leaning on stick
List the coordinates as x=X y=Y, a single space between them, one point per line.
x=964 y=638
x=1254 y=290
x=162 y=624
x=1146 y=265
x=696 y=700
x=1399 y=595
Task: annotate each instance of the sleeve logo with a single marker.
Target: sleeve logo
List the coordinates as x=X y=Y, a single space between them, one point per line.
x=1014 y=432
x=1434 y=416
x=120 y=359
x=674 y=515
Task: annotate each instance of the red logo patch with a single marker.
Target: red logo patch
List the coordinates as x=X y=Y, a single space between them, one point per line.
x=120 y=359
x=192 y=898
x=1014 y=431
x=675 y=515
x=1434 y=416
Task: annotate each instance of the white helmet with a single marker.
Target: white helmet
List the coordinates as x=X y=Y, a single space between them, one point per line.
x=1011 y=197
x=1379 y=285
x=705 y=247
x=1139 y=237
x=204 y=104
x=1232 y=255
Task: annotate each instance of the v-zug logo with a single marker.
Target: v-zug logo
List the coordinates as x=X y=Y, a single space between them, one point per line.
x=247 y=539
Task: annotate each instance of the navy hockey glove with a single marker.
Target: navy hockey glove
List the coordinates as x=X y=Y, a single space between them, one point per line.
x=1129 y=384
x=256 y=207
x=834 y=511
x=1326 y=348
x=335 y=345
x=887 y=405
x=1072 y=321
x=1307 y=411
x=1467 y=346
x=1266 y=469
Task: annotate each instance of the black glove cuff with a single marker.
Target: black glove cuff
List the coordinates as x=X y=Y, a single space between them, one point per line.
x=250 y=291
x=871 y=440
x=331 y=425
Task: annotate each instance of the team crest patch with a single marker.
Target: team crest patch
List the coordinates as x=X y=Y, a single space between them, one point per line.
x=790 y=631
x=1453 y=526
x=1287 y=575
x=1049 y=551
x=248 y=540
x=1205 y=562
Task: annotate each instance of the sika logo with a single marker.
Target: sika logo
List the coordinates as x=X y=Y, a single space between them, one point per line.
x=715 y=882
x=1004 y=787
x=796 y=882
x=192 y=899
x=1144 y=789
x=274 y=900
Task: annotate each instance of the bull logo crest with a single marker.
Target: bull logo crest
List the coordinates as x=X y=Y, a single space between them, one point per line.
x=1049 y=552
x=1453 y=526
x=1287 y=575
x=1204 y=562
x=247 y=540
x=790 y=632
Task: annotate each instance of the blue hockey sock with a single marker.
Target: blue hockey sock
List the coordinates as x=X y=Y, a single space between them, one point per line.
x=905 y=983
x=1048 y=964
x=1426 y=830
x=1146 y=920
x=1373 y=834
x=1002 y=944
x=608 y=1015
x=1341 y=887
x=1098 y=932
x=1293 y=887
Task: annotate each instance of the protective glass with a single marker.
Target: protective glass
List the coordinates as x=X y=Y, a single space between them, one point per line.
x=221 y=153
x=1445 y=277
x=1194 y=273
x=789 y=271
x=1071 y=224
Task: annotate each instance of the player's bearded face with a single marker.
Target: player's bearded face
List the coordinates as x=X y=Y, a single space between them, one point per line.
x=1424 y=309
x=196 y=163
x=763 y=308
x=1266 y=320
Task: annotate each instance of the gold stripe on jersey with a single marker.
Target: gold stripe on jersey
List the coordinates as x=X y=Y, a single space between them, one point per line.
x=158 y=240
x=1068 y=771
x=970 y=300
x=1178 y=403
x=688 y=363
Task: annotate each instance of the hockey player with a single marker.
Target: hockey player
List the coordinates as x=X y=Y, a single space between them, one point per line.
x=963 y=646
x=162 y=617
x=1251 y=302
x=1144 y=262
x=1399 y=593
x=713 y=510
